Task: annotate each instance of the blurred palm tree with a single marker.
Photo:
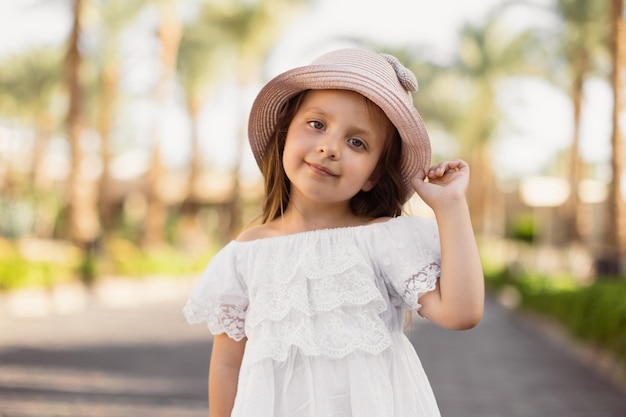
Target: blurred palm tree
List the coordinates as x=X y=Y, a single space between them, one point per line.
x=113 y=17
x=201 y=65
x=169 y=34
x=83 y=219
x=461 y=100
x=576 y=51
x=488 y=55
x=29 y=84
x=615 y=243
x=30 y=91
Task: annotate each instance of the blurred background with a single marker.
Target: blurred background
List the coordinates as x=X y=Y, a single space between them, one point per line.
x=123 y=148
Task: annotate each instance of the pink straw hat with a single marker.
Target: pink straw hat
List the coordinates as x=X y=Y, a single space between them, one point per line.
x=379 y=77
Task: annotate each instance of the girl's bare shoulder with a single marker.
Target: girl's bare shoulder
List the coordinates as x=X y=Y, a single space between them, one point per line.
x=258 y=232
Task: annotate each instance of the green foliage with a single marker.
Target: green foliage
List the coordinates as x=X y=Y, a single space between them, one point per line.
x=88 y=268
x=16 y=271
x=29 y=81
x=19 y=273
x=121 y=258
x=523 y=228
x=595 y=313
x=125 y=258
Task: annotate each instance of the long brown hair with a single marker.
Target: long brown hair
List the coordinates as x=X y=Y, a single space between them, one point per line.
x=384 y=199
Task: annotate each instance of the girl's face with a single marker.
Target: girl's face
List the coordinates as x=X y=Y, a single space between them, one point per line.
x=333 y=146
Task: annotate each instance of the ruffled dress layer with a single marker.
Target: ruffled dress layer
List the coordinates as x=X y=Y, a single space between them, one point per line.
x=323 y=313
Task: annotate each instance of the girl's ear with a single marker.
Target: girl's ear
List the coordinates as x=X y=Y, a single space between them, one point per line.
x=373 y=179
x=369 y=185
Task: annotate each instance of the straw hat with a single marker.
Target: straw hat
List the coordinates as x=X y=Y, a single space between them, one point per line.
x=379 y=77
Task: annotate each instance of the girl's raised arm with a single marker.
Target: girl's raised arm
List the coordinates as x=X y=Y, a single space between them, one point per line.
x=458 y=301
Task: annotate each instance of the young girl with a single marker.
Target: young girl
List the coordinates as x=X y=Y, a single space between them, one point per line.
x=307 y=308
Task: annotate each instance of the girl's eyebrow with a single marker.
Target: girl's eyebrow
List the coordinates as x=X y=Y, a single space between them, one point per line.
x=316 y=110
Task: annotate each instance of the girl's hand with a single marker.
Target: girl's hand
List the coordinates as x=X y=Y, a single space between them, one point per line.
x=444 y=183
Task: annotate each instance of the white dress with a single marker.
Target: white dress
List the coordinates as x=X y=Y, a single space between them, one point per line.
x=324 y=313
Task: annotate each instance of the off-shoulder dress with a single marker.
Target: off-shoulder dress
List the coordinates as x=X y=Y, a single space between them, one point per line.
x=323 y=313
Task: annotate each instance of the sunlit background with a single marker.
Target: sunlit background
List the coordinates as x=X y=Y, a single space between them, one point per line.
x=123 y=148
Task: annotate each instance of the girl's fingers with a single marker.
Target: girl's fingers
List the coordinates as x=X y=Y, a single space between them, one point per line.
x=440 y=169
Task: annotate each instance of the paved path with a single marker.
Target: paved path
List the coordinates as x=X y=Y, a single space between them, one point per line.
x=130 y=362
x=147 y=362
x=505 y=367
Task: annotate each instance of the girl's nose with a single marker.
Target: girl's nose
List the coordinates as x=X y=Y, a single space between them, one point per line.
x=328 y=149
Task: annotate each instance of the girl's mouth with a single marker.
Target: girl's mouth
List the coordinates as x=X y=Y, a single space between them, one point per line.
x=320 y=170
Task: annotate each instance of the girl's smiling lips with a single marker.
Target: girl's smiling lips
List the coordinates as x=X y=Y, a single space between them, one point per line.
x=320 y=170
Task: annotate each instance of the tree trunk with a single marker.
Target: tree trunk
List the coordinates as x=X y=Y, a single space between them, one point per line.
x=614 y=251
x=249 y=70
x=573 y=207
x=476 y=191
x=169 y=35
x=233 y=202
x=195 y=169
x=83 y=222
x=39 y=180
x=109 y=82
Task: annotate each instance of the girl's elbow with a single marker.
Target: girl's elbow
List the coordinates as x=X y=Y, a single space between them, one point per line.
x=467 y=320
x=454 y=315
x=474 y=318
x=470 y=322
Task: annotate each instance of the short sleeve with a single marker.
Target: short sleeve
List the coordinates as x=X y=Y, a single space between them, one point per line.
x=408 y=254
x=220 y=297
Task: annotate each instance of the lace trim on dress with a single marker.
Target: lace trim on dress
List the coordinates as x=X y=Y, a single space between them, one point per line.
x=421 y=283
x=330 y=334
x=309 y=297
x=229 y=319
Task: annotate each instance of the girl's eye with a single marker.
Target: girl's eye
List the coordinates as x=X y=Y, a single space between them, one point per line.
x=316 y=124
x=357 y=143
